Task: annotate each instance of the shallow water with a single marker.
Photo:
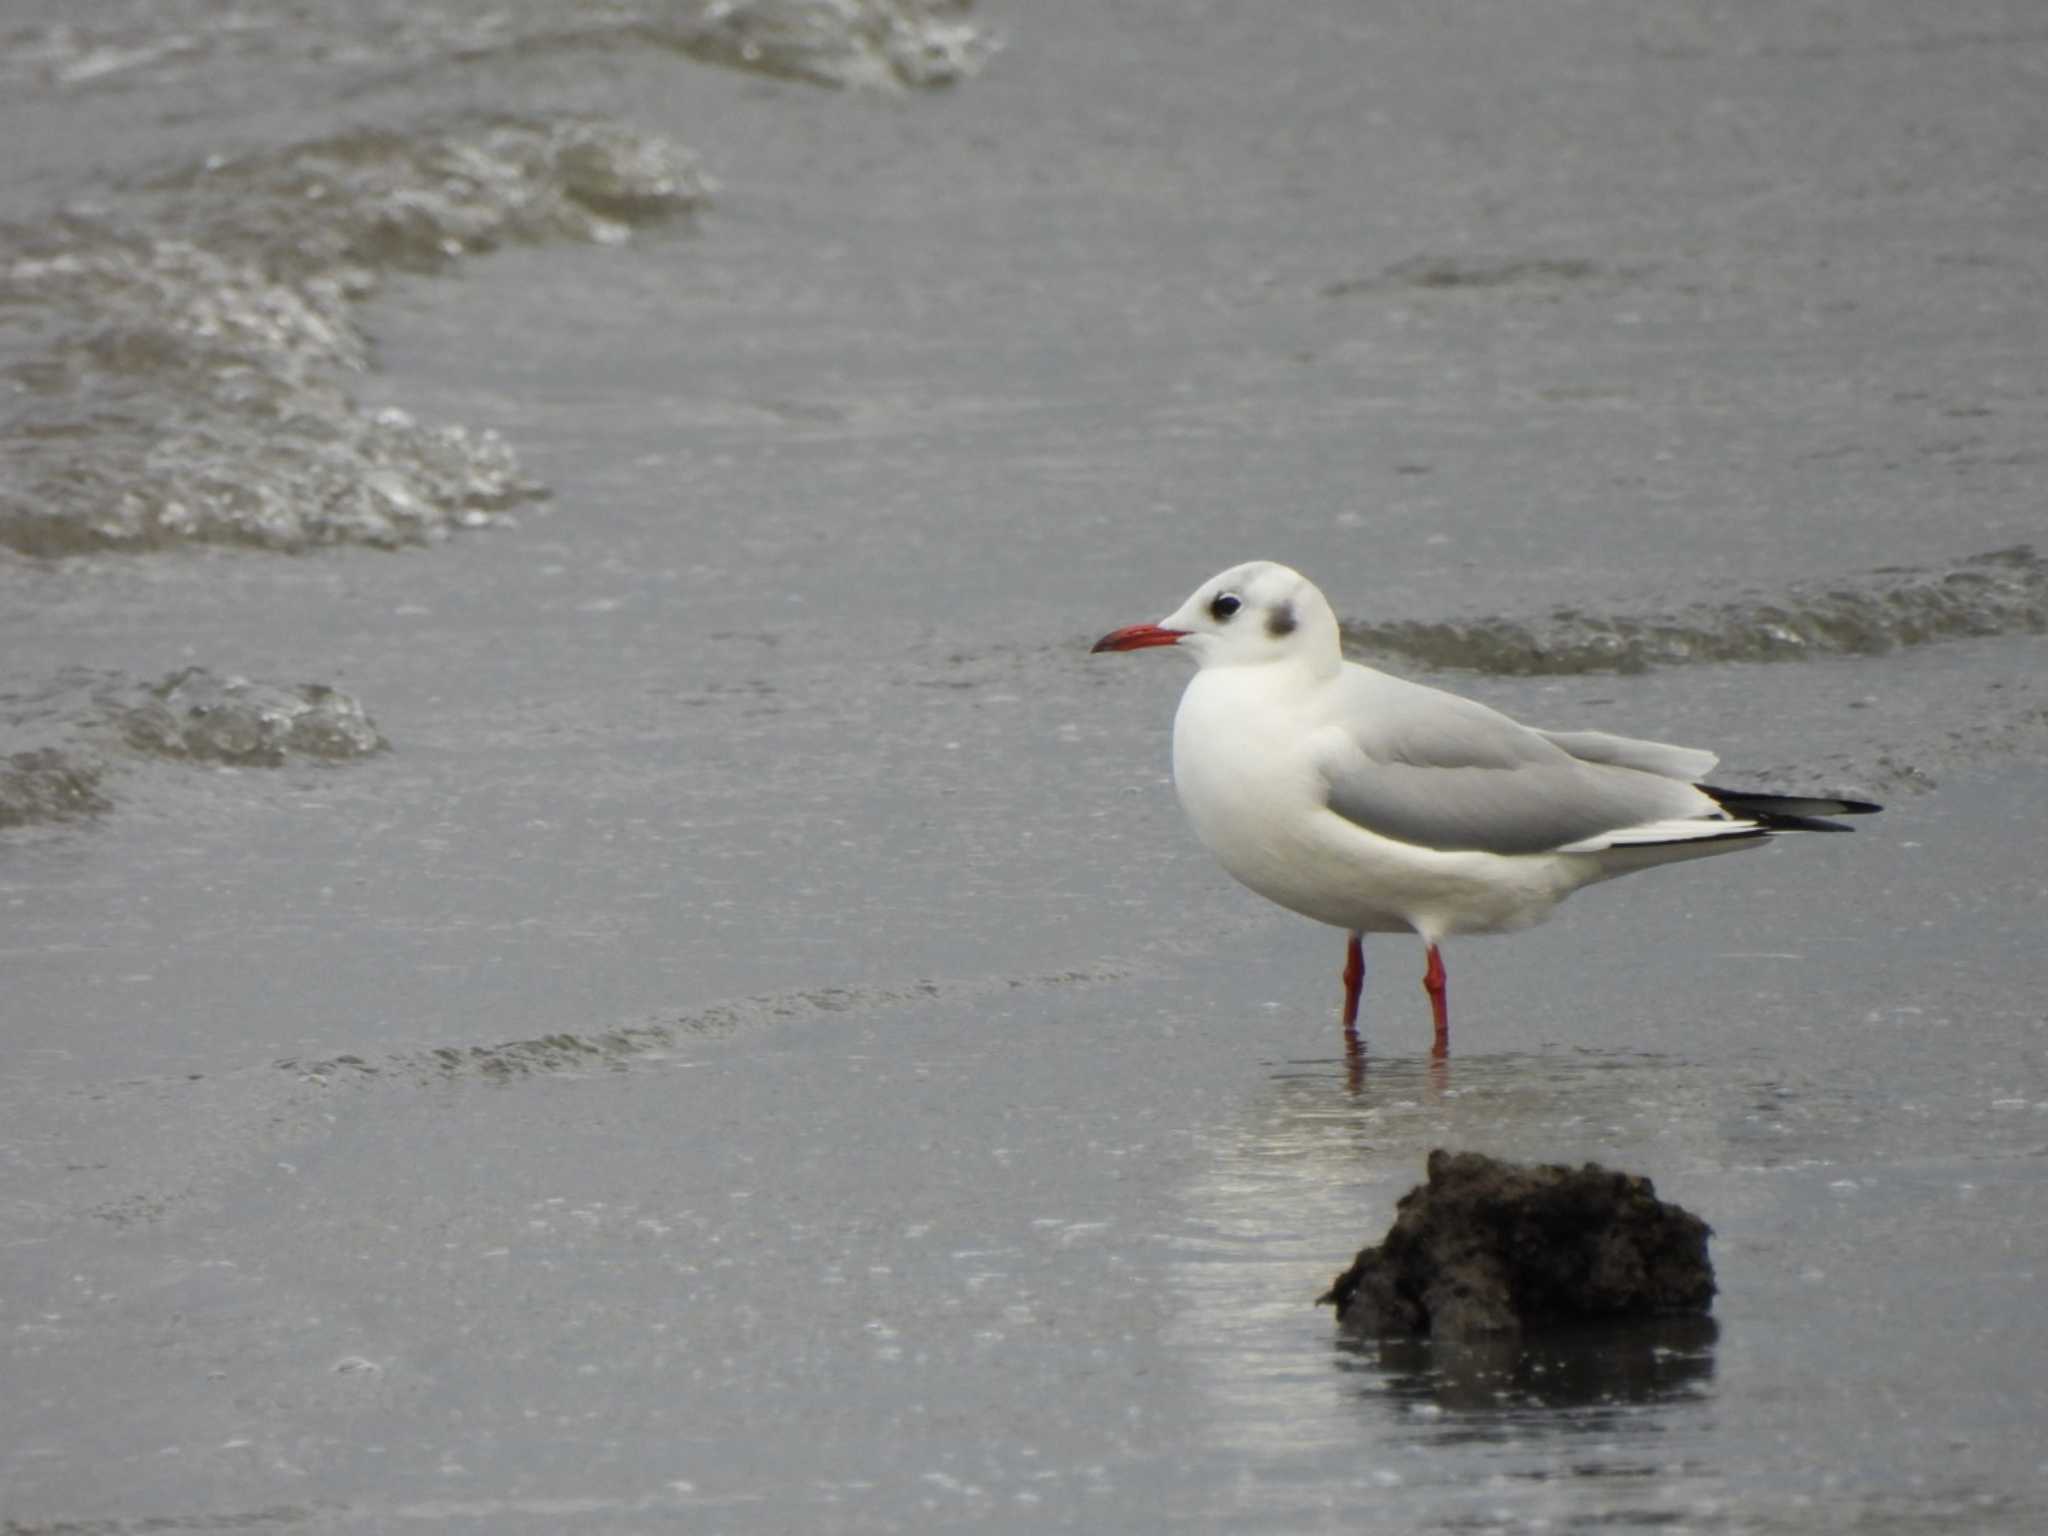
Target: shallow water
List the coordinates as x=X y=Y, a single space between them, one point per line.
x=595 y=953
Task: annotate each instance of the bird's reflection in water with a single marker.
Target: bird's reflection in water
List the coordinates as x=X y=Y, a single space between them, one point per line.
x=1359 y=1067
x=1538 y=1086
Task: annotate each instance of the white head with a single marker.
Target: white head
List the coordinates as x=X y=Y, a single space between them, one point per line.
x=1249 y=615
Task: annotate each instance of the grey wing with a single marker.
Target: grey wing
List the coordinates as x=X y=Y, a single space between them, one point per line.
x=1659 y=757
x=1426 y=767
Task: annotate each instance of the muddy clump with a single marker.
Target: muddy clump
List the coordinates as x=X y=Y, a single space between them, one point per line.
x=1488 y=1248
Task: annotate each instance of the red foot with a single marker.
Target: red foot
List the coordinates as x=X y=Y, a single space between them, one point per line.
x=1354 y=981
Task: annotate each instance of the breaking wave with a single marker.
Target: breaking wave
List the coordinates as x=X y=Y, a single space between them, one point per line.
x=186 y=379
x=885 y=43
x=890 y=44
x=193 y=715
x=2001 y=592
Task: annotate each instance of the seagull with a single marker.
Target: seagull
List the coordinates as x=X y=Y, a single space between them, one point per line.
x=1379 y=805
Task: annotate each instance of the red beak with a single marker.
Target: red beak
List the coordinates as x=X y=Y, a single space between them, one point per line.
x=1136 y=638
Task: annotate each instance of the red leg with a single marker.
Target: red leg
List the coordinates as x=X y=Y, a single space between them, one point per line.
x=1433 y=980
x=1354 y=983
x=1354 y=980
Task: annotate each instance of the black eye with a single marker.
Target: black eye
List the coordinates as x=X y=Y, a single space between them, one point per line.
x=1223 y=605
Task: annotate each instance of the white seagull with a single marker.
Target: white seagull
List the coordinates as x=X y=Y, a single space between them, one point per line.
x=1378 y=805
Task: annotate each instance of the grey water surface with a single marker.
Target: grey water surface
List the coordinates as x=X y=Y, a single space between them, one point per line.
x=585 y=948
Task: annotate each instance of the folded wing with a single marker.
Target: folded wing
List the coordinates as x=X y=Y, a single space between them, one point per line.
x=1429 y=768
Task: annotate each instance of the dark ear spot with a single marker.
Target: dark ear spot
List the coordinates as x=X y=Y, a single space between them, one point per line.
x=1280 y=621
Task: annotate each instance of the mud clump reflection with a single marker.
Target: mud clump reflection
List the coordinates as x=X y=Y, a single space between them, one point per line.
x=1489 y=1248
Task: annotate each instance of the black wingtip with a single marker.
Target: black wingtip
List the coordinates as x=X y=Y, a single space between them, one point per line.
x=1802 y=824
x=1790 y=813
